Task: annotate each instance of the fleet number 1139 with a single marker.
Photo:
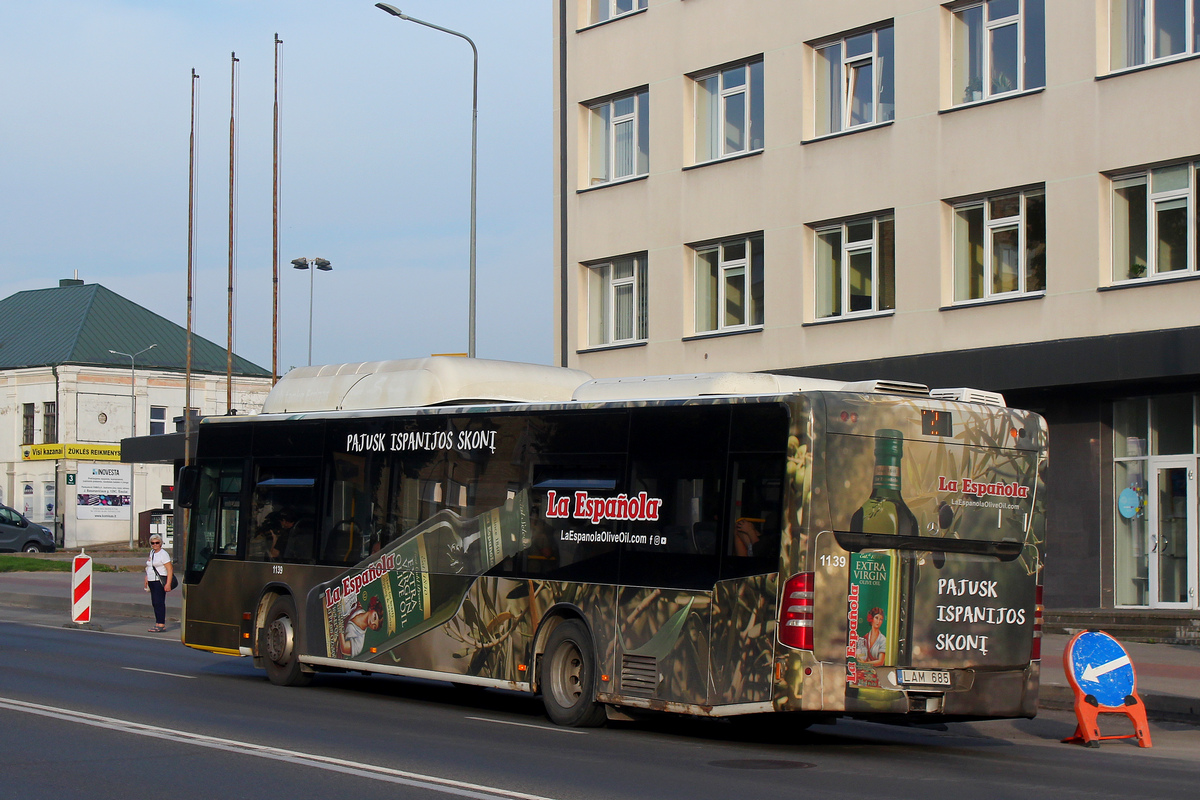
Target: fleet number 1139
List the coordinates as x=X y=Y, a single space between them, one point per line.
x=833 y=561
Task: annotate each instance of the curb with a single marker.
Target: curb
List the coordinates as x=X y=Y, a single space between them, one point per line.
x=1159 y=707
x=111 y=608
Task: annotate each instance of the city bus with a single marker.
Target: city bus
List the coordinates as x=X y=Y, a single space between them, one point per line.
x=714 y=544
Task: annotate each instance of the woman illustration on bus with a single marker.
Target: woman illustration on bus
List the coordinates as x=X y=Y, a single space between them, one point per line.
x=872 y=648
x=354 y=628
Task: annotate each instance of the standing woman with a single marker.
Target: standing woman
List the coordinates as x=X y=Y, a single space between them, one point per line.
x=159 y=572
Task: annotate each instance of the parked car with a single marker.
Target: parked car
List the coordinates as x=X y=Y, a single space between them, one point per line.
x=19 y=534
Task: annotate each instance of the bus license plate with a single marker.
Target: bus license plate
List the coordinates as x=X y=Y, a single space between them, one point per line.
x=925 y=677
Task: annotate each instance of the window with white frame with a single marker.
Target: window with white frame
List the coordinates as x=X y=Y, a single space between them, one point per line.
x=854 y=81
x=1000 y=246
x=158 y=420
x=729 y=111
x=856 y=267
x=604 y=10
x=999 y=47
x=1145 y=31
x=617 y=301
x=729 y=284
x=1154 y=223
x=618 y=138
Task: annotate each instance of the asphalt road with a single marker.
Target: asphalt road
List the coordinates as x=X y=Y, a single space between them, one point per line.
x=121 y=712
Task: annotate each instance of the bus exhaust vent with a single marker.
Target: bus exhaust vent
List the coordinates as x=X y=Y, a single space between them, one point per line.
x=639 y=675
x=889 y=387
x=966 y=395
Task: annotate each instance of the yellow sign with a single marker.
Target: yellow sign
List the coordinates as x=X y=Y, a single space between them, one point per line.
x=85 y=452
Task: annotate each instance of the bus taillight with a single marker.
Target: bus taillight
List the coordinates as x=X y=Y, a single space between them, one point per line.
x=796 y=612
x=1035 y=651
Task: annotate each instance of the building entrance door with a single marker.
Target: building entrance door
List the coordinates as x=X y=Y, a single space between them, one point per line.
x=1172 y=530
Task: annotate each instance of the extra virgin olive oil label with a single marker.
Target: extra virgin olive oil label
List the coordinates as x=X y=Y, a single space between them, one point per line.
x=871 y=633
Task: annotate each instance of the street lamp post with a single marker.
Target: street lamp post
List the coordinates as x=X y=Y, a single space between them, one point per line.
x=395 y=12
x=133 y=428
x=312 y=266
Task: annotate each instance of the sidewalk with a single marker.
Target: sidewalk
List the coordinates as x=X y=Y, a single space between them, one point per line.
x=1168 y=675
x=1168 y=679
x=118 y=594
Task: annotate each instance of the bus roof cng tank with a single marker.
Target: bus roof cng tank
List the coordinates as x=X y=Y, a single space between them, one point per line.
x=405 y=383
x=661 y=387
x=450 y=380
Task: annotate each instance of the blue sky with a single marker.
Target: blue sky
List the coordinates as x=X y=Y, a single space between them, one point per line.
x=375 y=169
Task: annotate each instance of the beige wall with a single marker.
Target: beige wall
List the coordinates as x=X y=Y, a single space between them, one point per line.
x=1065 y=137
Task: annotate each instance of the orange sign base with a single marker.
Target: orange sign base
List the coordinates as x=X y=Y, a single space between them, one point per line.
x=1087 y=710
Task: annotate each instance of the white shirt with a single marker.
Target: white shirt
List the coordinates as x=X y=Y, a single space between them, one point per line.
x=158 y=559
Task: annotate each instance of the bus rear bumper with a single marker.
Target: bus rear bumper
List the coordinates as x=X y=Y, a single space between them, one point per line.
x=979 y=694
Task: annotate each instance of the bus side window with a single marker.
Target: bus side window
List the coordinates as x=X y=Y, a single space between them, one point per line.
x=282 y=512
x=751 y=544
x=677 y=458
x=355 y=509
x=217 y=512
x=563 y=546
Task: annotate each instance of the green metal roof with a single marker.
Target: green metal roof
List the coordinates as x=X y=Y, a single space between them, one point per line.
x=80 y=323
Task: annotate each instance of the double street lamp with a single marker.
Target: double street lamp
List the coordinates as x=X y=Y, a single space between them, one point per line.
x=133 y=428
x=395 y=12
x=312 y=266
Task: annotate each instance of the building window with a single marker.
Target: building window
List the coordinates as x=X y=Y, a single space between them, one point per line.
x=854 y=83
x=1154 y=231
x=729 y=111
x=619 y=138
x=856 y=267
x=27 y=424
x=604 y=10
x=729 y=284
x=158 y=420
x=1145 y=31
x=617 y=301
x=50 y=423
x=1000 y=246
x=999 y=48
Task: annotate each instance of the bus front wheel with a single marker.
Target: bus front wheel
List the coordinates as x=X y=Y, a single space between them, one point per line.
x=279 y=645
x=568 y=677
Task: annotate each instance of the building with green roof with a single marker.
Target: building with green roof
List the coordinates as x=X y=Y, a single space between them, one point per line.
x=82 y=368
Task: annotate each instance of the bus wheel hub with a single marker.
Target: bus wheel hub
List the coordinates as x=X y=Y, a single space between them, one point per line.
x=279 y=640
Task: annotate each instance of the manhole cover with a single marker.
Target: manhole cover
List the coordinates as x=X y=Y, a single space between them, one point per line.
x=760 y=763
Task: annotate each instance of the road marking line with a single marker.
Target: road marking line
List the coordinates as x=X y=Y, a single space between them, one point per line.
x=156 y=672
x=527 y=725
x=371 y=771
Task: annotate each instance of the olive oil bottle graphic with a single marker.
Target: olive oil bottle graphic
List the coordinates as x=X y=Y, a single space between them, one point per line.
x=430 y=569
x=885 y=511
x=879 y=577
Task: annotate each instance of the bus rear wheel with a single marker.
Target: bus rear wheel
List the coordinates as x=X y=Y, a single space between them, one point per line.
x=278 y=645
x=568 y=677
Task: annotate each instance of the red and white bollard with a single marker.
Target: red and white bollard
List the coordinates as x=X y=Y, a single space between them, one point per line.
x=81 y=588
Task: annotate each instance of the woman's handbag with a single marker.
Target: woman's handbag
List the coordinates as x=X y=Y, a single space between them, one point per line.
x=163 y=579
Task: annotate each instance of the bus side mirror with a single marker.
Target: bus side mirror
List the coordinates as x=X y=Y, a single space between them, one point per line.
x=186 y=486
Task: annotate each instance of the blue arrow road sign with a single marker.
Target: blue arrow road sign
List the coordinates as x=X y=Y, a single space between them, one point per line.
x=1101 y=668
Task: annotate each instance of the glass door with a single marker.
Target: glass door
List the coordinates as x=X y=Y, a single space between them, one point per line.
x=1172 y=532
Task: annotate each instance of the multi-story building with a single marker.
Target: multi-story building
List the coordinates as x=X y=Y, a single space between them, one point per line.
x=82 y=368
x=997 y=194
